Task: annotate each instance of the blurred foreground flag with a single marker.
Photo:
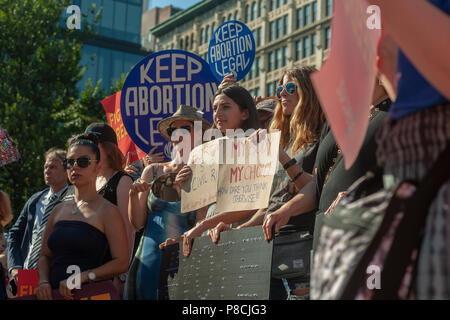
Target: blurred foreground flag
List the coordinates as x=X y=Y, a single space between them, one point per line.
x=112 y=110
x=345 y=82
x=8 y=150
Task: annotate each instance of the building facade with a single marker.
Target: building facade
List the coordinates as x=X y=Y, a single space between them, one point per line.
x=116 y=46
x=287 y=33
x=152 y=18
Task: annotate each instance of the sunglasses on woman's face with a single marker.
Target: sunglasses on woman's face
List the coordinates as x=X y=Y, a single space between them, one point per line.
x=82 y=162
x=171 y=130
x=290 y=89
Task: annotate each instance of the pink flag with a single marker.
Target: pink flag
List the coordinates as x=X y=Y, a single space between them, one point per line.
x=345 y=83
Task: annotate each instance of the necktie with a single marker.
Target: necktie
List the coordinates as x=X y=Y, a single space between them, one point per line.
x=37 y=245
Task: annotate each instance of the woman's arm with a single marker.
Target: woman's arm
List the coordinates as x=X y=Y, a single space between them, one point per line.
x=421 y=30
x=123 y=190
x=294 y=170
x=137 y=201
x=303 y=202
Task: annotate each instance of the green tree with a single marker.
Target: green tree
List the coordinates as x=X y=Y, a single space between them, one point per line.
x=40 y=105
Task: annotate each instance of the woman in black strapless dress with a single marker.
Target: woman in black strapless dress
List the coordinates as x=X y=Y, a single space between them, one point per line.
x=82 y=232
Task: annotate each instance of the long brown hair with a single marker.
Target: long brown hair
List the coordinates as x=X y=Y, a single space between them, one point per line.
x=304 y=125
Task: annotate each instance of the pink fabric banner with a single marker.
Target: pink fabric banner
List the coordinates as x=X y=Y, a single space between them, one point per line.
x=345 y=83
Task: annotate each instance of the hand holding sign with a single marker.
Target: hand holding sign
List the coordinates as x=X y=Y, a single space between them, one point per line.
x=153 y=158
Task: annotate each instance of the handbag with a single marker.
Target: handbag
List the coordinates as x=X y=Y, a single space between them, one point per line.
x=395 y=247
x=291 y=254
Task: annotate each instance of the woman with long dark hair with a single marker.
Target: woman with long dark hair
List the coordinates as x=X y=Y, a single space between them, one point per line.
x=87 y=232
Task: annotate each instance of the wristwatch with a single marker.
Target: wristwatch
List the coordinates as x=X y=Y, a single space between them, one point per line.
x=91 y=276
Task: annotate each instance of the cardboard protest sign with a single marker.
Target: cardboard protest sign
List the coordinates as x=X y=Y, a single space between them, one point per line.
x=126 y=146
x=201 y=189
x=245 y=185
x=156 y=87
x=27 y=281
x=345 y=83
x=231 y=50
x=8 y=149
x=236 y=173
x=103 y=290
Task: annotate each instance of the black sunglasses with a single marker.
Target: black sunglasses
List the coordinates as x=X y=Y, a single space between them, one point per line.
x=171 y=130
x=82 y=162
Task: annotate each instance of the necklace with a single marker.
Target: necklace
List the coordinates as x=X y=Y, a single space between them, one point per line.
x=77 y=206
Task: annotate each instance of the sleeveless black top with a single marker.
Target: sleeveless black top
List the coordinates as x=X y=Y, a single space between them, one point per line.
x=109 y=190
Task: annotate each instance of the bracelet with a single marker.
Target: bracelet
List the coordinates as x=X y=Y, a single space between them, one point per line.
x=289 y=163
x=297 y=176
x=42 y=282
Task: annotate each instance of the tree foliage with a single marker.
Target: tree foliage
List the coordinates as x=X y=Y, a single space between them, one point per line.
x=40 y=104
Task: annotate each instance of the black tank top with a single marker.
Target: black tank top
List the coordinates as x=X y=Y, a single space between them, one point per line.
x=109 y=190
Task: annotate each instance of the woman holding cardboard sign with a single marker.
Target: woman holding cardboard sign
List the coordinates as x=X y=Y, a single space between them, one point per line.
x=155 y=204
x=233 y=109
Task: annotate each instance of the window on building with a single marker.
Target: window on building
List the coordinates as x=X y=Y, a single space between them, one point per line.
x=327 y=38
x=279 y=28
x=247 y=13
x=207 y=34
x=271 y=61
x=236 y=15
x=273 y=5
x=186 y=43
x=272 y=31
x=181 y=44
x=257 y=92
x=192 y=41
x=285 y=56
x=300 y=18
x=329 y=7
x=202 y=36
x=307 y=14
x=230 y=17
x=258 y=66
x=260 y=8
x=254 y=10
x=279 y=58
x=286 y=24
x=314 y=11
x=313 y=43
x=306 y=47
x=213 y=28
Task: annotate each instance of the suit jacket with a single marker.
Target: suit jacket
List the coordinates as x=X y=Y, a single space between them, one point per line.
x=20 y=235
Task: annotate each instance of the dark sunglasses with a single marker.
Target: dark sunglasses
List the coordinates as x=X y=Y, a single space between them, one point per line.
x=82 y=162
x=171 y=130
x=290 y=89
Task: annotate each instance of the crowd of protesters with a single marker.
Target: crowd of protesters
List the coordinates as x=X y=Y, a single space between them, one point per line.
x=113 y=218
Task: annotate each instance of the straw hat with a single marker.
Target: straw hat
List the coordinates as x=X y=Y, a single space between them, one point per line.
x=184 y=112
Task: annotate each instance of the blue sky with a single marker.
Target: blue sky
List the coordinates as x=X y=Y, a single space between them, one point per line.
x=183 y=4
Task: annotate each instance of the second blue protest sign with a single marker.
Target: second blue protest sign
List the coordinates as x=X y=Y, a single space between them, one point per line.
x=231 y=50
x=156 y=87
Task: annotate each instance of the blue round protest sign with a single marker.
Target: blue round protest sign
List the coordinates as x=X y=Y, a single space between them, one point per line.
x=231 y=50
x=156 y=87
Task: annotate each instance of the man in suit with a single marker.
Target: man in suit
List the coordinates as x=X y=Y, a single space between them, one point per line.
x=25 y=236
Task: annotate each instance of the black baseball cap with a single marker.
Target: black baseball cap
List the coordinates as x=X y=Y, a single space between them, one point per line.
x=103 y=131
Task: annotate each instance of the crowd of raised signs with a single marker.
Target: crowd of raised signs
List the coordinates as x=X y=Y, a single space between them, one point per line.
x=376 y=230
